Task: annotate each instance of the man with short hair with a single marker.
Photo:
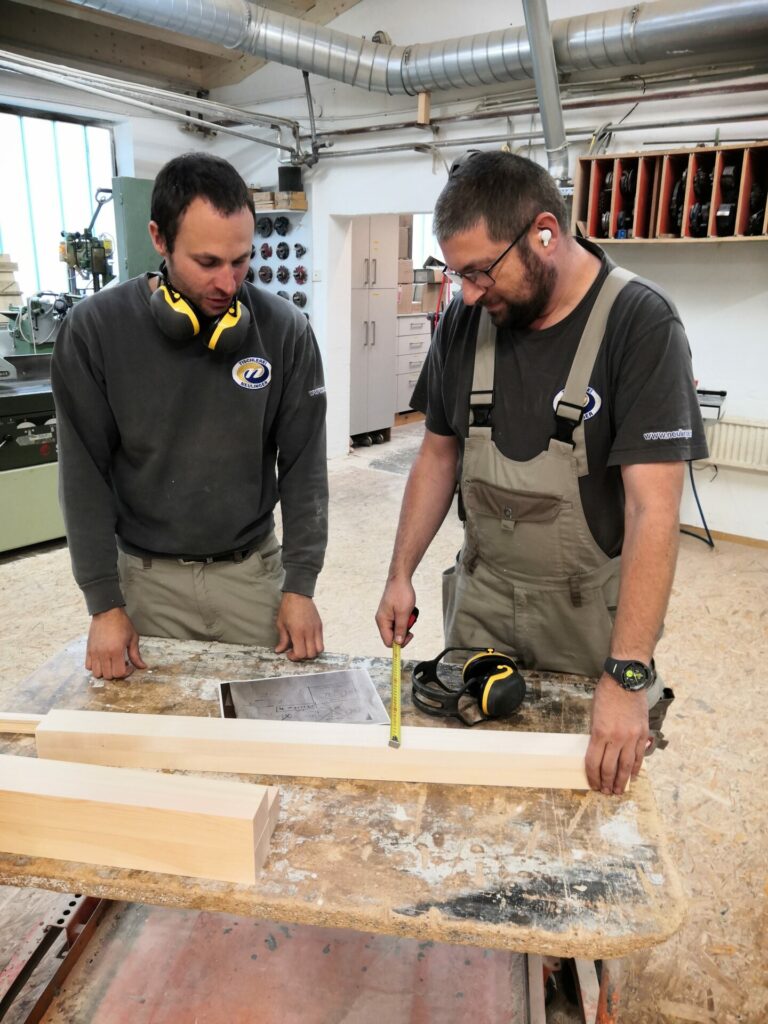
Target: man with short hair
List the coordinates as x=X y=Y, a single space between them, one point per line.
x=189 y=403
x=559 y=391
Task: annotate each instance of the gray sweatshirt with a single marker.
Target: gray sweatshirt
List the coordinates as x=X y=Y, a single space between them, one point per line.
x=179 y=451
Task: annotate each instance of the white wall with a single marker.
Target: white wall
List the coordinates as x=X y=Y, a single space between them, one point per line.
x=721 y=292
x=718 y=288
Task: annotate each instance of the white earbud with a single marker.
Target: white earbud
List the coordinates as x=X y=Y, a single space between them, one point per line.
x=545 y=234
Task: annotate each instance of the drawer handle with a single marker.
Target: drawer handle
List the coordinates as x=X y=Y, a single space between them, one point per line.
x=414 y=344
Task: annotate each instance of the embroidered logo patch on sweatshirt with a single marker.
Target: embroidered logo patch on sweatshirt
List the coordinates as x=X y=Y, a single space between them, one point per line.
x=252 y=373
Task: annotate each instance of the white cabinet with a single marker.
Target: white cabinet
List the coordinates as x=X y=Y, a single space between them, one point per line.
x=372 y=365
x=374 y=251
x=413 y=338
x=373 y=382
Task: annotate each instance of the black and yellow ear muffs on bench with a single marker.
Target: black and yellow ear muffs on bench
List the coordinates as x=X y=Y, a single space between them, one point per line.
x=491 y=687
x=180 y=320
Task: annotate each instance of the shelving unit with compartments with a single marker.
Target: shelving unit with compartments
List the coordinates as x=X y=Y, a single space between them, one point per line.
x=709 y=194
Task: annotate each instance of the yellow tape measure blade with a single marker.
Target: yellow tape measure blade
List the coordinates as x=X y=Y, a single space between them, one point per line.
x=394 y=712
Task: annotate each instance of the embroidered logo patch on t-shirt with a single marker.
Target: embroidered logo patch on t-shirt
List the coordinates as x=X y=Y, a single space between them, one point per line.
x=253 y=373
x=591 y=406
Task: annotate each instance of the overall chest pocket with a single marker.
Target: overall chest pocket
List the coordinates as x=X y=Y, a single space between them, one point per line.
x=511 y=507
x=516 y=530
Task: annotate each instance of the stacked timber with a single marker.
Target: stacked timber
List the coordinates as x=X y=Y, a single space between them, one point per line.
x=10 y=293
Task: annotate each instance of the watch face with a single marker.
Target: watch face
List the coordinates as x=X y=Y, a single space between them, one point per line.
x=631 y=675
x=635 y=675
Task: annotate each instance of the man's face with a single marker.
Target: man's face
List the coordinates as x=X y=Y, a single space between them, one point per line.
x=211 y=255
x=523 y=283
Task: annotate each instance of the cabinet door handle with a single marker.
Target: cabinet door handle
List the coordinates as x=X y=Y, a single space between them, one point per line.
x=374 y=262
x=367 y=268
x=365 y=324
x=373 y=332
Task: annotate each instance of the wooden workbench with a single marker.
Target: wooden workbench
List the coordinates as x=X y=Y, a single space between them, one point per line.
x=541 y=871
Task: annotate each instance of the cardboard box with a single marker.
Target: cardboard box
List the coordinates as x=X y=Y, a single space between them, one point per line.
x=405 y=271
x=263 y=200
x=291 y=201
x=405 y=299
x=404 y=244
x=428 y=275
x=430 y=293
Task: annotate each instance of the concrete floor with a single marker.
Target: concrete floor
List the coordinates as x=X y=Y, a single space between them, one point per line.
x=708 y=783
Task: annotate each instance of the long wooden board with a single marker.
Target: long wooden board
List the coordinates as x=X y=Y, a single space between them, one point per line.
x=119 y=817
x=315 y=749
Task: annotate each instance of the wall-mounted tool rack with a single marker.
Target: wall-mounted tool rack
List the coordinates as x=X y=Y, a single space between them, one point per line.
x=711 y=194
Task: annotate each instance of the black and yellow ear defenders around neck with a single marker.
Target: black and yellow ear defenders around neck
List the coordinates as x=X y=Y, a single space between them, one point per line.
x=491 y=687
x=180 y=320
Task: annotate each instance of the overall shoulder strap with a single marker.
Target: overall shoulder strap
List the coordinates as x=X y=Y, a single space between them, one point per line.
x=569 y=414
x=481 y=396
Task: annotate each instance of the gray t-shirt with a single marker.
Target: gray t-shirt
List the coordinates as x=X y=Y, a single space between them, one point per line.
x=642 y=408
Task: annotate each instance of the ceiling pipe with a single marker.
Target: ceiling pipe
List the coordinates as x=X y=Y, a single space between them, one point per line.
x=176 y=106
x=526 y=136
x=525 y=107
x=641 y=33
x=547 y=88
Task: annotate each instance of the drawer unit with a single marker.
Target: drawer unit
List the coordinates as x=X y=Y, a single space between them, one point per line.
x=406 y=382
x=411 y=363
x=412 y=344
x=416 y=324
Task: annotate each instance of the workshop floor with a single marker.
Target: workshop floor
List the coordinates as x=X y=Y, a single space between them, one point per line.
x=708 y=783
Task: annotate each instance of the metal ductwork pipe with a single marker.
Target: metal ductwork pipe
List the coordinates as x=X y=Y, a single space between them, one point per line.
x=639 y=34
x=547 y=87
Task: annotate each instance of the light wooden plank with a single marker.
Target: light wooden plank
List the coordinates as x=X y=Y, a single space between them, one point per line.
x=119 y=817
x=316 y=749
x=13 y=721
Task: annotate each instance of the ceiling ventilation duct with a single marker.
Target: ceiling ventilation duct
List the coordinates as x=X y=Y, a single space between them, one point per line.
x=639 y=34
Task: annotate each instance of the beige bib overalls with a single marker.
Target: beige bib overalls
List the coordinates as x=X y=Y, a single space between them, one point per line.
x=530 y=578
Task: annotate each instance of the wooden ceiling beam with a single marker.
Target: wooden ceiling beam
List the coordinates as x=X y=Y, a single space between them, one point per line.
x=67 y=33
x=126 y=25
x=51 y=36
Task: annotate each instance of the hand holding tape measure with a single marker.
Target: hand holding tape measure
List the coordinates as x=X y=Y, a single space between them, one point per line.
x=394 y=713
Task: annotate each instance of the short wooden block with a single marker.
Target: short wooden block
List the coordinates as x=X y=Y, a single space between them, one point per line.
x=316 y=749
x=175 y=824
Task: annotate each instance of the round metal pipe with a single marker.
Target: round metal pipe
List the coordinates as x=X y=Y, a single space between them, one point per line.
x=526 y=136
x=634 y=35
x=547 y=87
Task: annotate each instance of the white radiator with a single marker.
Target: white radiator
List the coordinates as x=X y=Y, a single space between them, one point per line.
x=742 y=444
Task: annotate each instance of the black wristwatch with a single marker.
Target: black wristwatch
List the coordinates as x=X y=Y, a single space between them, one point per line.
x=631 y=675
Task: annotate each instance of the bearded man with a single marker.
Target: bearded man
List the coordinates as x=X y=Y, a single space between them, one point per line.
x=558 y=391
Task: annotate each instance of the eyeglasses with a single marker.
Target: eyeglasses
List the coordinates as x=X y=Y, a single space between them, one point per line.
x=482 y=278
